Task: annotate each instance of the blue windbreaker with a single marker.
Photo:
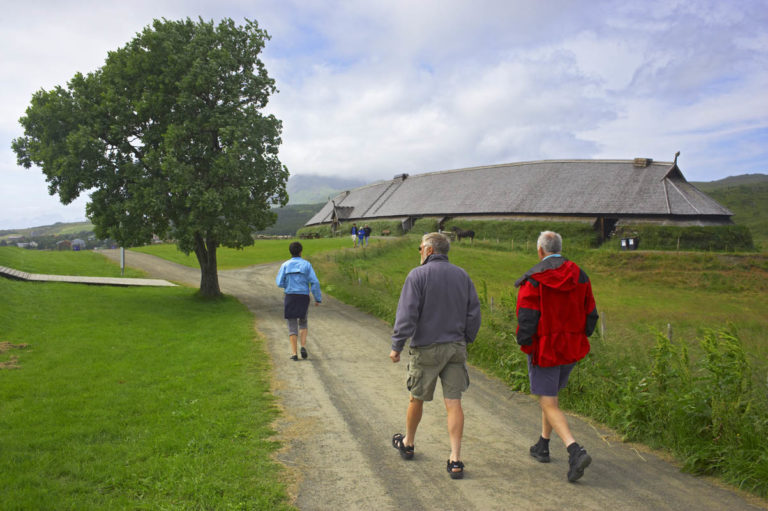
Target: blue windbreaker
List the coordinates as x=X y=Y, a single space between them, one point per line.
x=297 y=277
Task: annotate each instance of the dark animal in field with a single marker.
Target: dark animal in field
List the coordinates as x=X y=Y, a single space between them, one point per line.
x=460 y=233
x=385 y=232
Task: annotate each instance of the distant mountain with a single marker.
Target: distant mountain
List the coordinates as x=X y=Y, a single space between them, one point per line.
x=57 y=229
x=291 y=218
x=311 y=189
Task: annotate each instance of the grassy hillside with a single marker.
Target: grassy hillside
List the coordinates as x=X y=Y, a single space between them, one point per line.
x=743 y=179
x=747 y=199
x=57 y=229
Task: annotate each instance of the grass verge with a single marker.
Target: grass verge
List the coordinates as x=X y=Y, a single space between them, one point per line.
x=114 y=398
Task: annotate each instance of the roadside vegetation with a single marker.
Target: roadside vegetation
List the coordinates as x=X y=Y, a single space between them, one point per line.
x=679 y=361
x=130 y=398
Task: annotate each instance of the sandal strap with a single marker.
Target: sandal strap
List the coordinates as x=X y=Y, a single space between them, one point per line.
x=398 y=443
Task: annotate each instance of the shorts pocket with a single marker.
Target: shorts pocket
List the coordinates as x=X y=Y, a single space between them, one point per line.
x=414 y=378
x=425 y=357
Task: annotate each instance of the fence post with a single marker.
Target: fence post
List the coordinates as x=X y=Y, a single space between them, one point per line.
x=602 y=325
x=491 y=304
x=669 y=331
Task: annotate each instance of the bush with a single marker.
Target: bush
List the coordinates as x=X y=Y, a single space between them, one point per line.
x=709 y=413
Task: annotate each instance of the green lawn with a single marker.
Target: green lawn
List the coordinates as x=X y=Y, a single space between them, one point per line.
x=132 y=398
x=81 y=263
x=262 y=251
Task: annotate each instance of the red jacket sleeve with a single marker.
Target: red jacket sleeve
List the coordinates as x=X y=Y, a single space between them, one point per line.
x=528 y=313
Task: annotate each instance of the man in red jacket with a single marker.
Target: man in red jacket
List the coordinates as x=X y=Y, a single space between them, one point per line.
x=555 y=315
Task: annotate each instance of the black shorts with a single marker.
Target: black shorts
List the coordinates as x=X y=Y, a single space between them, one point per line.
x=296 y=306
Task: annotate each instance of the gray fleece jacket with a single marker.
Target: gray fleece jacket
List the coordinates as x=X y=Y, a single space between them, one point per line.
x=438 y=303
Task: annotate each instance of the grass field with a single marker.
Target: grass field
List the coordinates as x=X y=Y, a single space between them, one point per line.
x=700 y=395
x=82 y=263
x=115 y=398
x=263 y=251
x=153 y=399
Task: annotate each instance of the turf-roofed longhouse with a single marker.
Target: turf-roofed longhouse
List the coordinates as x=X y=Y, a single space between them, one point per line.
x=605 y=192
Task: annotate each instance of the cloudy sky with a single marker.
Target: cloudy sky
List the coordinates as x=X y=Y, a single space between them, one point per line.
x=374 y=88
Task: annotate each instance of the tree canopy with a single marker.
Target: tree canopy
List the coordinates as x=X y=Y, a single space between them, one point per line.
x=169 y=139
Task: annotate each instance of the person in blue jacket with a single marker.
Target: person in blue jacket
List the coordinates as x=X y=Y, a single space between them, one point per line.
x=297 y=278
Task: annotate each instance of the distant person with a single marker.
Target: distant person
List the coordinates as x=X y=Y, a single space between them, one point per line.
x=297 y=278
x=354 y=235
x=555 y=314
x=366 y=234
x=360 y=235
x=440 y=312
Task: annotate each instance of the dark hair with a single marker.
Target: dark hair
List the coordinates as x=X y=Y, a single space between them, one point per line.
x=295 y=249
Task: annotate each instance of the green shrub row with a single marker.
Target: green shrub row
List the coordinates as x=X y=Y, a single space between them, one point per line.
x=727 y=238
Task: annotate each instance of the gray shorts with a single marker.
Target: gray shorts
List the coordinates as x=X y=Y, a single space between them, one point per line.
x=448 y=361
x=548 y=381
x=296 y=324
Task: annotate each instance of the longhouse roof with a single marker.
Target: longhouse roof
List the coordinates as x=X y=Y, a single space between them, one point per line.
x=554 y=187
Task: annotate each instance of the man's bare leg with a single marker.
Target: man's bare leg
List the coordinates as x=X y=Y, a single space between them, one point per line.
x=412 y=420
x=553 y=418
x=455 y=426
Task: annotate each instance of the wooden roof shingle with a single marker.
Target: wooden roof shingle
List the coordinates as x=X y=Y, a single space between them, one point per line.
x=552 y=187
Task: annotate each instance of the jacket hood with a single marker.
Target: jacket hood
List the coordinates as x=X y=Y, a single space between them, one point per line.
x=565 y=277
x=555 y=272
x=294 y=265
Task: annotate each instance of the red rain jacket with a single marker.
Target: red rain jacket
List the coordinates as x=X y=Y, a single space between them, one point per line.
x=555 y=312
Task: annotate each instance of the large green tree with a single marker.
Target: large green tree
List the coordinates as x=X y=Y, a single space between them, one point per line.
x=168 y=138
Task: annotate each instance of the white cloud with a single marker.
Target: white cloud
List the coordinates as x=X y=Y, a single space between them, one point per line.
x=375 y=88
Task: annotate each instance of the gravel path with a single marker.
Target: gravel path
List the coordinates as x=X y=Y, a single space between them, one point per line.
x=342 y=405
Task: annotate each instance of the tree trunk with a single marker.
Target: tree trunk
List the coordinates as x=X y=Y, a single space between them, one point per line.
x=205 y=250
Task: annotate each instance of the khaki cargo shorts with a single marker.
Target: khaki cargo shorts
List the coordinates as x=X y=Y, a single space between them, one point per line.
x=448 y=361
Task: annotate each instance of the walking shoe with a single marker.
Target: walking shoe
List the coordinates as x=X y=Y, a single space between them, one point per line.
x=294 y=358
x=577 y=462
x=540 y=451
x=304 y=352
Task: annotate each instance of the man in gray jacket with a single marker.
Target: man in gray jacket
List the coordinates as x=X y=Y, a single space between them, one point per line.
x=440 y=312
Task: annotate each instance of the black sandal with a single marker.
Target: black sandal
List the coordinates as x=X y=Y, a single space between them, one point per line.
x=406 y=451
x=452 y=465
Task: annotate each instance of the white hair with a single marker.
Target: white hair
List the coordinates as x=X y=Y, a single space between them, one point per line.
x=439 y=242
x=550 y=242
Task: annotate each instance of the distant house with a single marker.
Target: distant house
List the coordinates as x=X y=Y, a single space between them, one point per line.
x=78 y=244
x=27 y=244
x=64 y=245
x=606 y=193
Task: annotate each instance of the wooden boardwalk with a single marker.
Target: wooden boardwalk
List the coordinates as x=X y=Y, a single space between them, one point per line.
x=73 y=279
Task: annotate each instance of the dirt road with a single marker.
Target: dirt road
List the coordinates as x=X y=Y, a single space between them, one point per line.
x=342 y=405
